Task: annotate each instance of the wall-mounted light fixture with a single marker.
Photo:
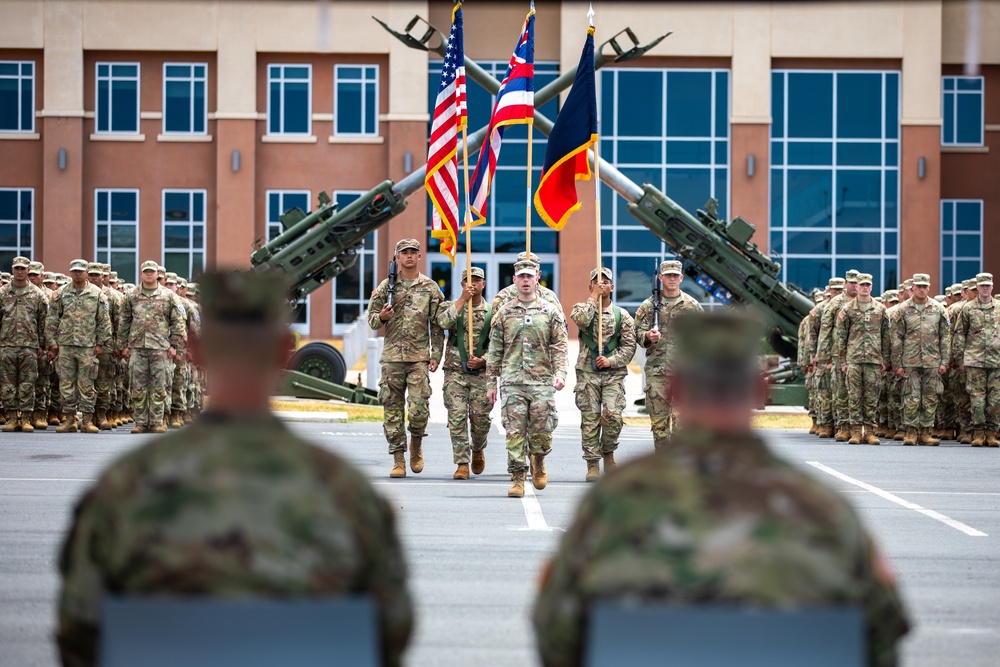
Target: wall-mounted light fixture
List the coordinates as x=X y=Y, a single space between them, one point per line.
x=62 y=159
x=236 y=160
x=921 y=168
x=750 y=164
x=407 y=162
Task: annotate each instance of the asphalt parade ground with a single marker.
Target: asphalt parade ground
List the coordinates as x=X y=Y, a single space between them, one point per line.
x=475 y=554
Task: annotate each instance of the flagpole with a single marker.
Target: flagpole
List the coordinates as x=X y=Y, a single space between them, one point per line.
x=527 y=207
x=597 y=213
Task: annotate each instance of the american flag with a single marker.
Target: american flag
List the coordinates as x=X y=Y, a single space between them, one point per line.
x=515 y=105
x=450 y=116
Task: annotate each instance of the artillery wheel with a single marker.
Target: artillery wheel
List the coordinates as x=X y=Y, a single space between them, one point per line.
x=319 y=360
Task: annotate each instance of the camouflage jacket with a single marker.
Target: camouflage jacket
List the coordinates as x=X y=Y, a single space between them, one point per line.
x=976 y=341
x=22 y=316
x=528 y=344
x=814 y=318
x=449 y=320
x=803 y=348
x=861 y=336
x=954 y=314
x=826 y=351
x=509 y=293
x=412 y=333
x=79 y=317
x=192 y=319
x=658 y=354
x=115 y=300
x=716 y=520
x=152 y=321
x=231 y=507
x=920 y=335
x=584 y=315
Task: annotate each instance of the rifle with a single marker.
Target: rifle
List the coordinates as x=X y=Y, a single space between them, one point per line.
x=393 y=273
x=657 y=288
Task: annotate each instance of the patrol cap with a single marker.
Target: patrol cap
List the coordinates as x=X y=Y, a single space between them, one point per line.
x=818 y=296
x=171 y=278
x=476 y=273
x=864 y=279
x=984 y=278
x=890 y=295
x=525 y=268
x=671 y=266
x=949 y=291
x=6 y=276
x=106 y=268
x=19 y=261
x=921 y=279
x=969 y=283
x=149 y=265
x=605 y=271
x=114 y=275
x=940 y=297
x=521 y=257
x=160 y=270
x=181 y=282
x=835 y=283
x=94 y=267
x=908 y=283
x=36 y=267
x=243 y=298
x=79 y=265
x=114 y=280
x=956 y=288
x=407 y=243
x=48 y=277
x=852 y=276
x=192 y=289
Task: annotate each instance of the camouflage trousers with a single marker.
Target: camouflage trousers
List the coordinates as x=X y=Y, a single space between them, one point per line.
x=922 y=389
x=178 y=387
x=404 y=389
x=468 y=410
x=528 y=414
x=55 y=395
x=659 y=407
x=148 y=371
x=824 y=396
x=983 y=385
x=963 y=402
x=193 y=390
x=105 y=383
x=600 y=397
x=811 y=391
x=864 y=385
x=77 y=368
x=43 y=383
x=841 y=411
x=18 y=373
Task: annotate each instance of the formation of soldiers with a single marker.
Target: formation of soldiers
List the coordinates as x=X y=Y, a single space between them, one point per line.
x=88 y=352
x=904 y=366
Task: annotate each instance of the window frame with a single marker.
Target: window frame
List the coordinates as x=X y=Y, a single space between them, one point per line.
x=955 y=93
x=191 y=80
x=18 y=249
x=363 y=81
x=109 y=249
x=301 y=327
x=954 y=233
x=190 y=192
x=20 y=78
x=309 y=103
x=110 y=78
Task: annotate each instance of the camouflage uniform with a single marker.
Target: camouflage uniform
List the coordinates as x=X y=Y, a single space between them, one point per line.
x=821 y=357
x=600 y=394
x=862 y=343
x=182 y=378
x=976 y=347
x=42 y=381
x=963 y=403
x=826 y=349
x=22 y=335
x=106 y=361
x=151 y=324
x=509 y=293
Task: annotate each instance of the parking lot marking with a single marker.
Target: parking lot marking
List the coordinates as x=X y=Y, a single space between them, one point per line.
x=937 y=516
x=45 y=479
x=532 y=510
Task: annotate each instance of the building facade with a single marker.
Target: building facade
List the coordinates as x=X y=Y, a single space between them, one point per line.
x=852 y=135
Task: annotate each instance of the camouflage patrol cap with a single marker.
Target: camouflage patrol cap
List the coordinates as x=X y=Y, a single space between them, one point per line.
x=921 y=279
x=171 y=278
x=161 y=270
x=524 y=267
x=6 y=276
x=48 y=277
x=521 y=257
x=149 y=265
x=908 y=283
x=969 y=283
x=956 y=288
x=95 y=268
x=79 y=265
x=852 y=276
x=890 y=295
x=671 y=266
x=243 y=298
x=940 y=297
x=192 y=289
x=476 y=273
x=407 y=243
x=864 y=279
x=818 y=296
x=835 y=283
x=949 y=291
x=36 y=267
x=106 y=268
x=181 y=282
x=19 y=261
x=605 y=271
x=984 y=279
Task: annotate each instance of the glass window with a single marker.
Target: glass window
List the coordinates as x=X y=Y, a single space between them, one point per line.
x=356 y=99
x=117 y=98
x=962 y=110
x=185 y=102
x=961 y=239
x=289 y=99
x=278 y=203
x=17 y=207
x=17 y=96
x=116 y=231
x=353 y=287
x=184 y=232
x=859 y=105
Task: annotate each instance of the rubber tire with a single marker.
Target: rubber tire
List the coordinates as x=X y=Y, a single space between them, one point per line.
x=321 y=360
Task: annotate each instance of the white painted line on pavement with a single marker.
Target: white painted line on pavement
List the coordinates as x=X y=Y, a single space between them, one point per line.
x=532 y=510
x=937 y=516
x=934 y=493
x=45 y=479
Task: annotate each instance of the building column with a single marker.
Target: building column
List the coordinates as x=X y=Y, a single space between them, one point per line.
x=750 y=192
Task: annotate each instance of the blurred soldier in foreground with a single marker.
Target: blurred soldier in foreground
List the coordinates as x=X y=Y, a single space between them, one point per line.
x=716 y=518
x=976 y=347
x=235 y=505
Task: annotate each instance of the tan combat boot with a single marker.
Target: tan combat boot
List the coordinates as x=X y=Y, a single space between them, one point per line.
x=416 y=453
x=911 y=436
x=102 y=421
x=24 y=421
x=924 y=437
x=69 y=424
x=174 y=421
x=609 y=462
x=54 y=419
x=871 y=437
x=186 y=417
x=899 y=435
x=10 y=425
x=855 y=435
x=978 y=439
x=965 y=437
x=825 y=431
x=991 y=439
x=539 y=478
x=593 y=471
x=398 y=465
x=88 y=424
x=462 y=472
x=139 y=429
x=843 y=433
x=39 y=421
x=517 y=491
x=813 y=429
x=478 y=462
x=158 y=428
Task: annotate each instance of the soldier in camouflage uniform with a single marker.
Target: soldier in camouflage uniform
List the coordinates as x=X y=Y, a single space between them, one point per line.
x=895 y=382
x=190 y=372
x=600 y=375
x=413 y=346
x=861 y=338
x=39 y=420
x=886 y=428
x=123 y=398
x=805 y=327
x=821 y=361
x=920 y=346
x=179 y=373
x=977 y=347
x=528 y=354
x=509 y=293
x=78 y=329
x=54 y=417
x=150 y=333
x=826 y=349
x=465 y=373
x=963 y=404
x=23 y=309
x=653 y=333
x=236 y=506
x=701 y=523
x=104 y=383
x=197 y=373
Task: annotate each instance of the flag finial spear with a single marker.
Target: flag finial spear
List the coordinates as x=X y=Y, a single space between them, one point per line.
x=590 y=14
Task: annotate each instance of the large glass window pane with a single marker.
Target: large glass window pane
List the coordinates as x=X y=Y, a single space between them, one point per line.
x=969 y=126
x=859 y=199
x=296 y=108
x=645 y=151
x=689 y=152
x=861 y=155
x=125 y=106
x=859 y=105
x=349 y=107
x=689 y=104
x=778 y=104
x=810 y=105
x=809 y=243
x=8 y=235
x=859 y=243
x=633 y=278
x=810 y=153
x=177 y=106
x=643 y=119
x=892 y=105
x=638 y=240
x=690 y=188
x=777 y=198
x=968 y=245
x=968 y=216
x=124 y=206
x=808 y=273
x=808 y=199
x=176 y=236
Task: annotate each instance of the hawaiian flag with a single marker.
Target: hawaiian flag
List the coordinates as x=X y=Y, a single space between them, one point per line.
x=515 y=105
x=450 y=116
x=574 y=132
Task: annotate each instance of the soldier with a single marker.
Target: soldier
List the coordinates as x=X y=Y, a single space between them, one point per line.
x=54 y=417
x=23 y=309
x=976 y=347
x=413 y=346
x=905 y=291
x=236 y=506
x=601 y=372
x=963 y=404
x=701 y=523
x=178 y=370
x=825 y=347
x=105 y=375
x=821 y=361
x=920 y=346
x=887 y=417
x=464 y=373
x=150 y=333
x=190 y=372
x=36 y=274
x=509 y=293
x=197 y=373
x=805 y=327
x=78 y=330
x=862 y=342
x=528 y=354
x=653 y=333
x=123 y=400
x=5 y=279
